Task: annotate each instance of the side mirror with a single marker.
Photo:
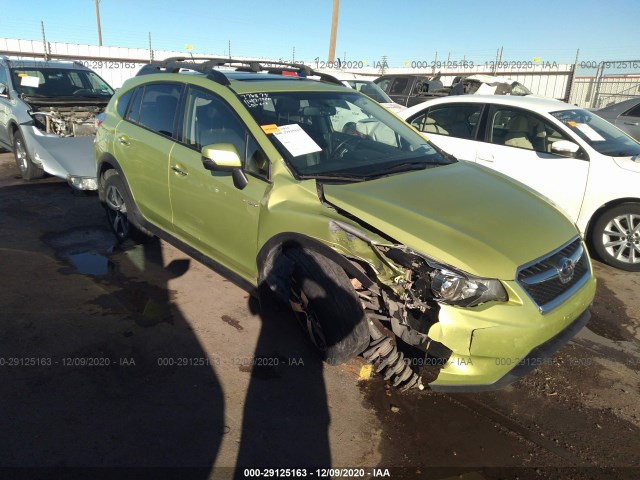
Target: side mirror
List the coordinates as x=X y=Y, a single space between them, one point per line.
x=223 y=157
x=565 y=148
x=3 y=89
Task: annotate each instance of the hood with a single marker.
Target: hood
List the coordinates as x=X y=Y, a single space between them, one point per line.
x=462 y=215
x=628 y=163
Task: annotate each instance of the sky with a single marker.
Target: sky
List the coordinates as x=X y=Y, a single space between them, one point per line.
x=403 y=31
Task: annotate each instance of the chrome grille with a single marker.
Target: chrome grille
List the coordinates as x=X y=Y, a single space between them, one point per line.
x=552 y=279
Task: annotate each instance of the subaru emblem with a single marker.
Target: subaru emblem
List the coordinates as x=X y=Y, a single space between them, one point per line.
x=566 y=269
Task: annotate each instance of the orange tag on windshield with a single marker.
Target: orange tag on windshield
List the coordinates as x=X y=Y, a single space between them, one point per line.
x=571 y=123
x=271 y=128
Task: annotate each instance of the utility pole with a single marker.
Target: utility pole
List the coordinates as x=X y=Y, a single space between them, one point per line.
x=334 y=31
x=98 y=20
x=45 y=44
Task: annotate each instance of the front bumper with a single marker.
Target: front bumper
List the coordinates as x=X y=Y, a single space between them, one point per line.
x=496 y=344
x=540 y=355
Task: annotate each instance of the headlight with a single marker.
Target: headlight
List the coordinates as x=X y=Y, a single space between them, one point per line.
x=455 y=288
x=83 y=183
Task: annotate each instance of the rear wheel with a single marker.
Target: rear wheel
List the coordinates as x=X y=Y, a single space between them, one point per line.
x=327 y=307
x=116 y=207
x=616 y=237
x=28 y=169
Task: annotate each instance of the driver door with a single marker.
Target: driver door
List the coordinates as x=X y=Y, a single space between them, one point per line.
x=209 y=212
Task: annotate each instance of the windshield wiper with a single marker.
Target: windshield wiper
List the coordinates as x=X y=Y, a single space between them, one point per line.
x=338 y=178
x=401 y=167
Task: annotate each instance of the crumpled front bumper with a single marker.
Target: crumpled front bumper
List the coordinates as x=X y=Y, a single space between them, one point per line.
x=496 y=344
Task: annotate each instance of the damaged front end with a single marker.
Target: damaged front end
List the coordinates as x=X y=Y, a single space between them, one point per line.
x=60 y=139
x=405 y=302
x=67 y=121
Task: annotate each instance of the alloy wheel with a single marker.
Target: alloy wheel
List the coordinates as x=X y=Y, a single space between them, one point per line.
x=621 y=238
x=117 y=212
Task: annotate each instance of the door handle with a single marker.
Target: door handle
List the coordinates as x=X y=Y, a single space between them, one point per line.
x=485 y=157
x=124 y=140
x=631 y=123
x=250 y=203
x=178 y=170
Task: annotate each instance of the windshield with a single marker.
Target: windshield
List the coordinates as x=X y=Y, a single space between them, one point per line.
x=341 y=135
x=59 y=82
x=598 y=133
x=370 y=89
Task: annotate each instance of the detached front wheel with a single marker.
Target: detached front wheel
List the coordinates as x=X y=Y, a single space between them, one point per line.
x=616 y=237
x=327 y=307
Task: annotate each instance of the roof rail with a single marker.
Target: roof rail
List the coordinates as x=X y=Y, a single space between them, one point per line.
x=174 y=64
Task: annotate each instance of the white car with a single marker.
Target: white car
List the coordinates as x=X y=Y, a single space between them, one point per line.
x=584 y=165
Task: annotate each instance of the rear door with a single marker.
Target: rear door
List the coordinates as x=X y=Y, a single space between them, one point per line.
x=518 y=144
x=143 y=142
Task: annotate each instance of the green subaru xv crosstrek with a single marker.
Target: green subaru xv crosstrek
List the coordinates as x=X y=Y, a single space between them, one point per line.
x=313 y=193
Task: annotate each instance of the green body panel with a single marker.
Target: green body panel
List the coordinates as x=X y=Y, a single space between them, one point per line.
x=461 y=215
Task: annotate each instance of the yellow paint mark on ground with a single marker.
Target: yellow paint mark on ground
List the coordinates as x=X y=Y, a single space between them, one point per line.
x=365 y=372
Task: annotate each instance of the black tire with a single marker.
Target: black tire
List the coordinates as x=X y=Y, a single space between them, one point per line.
x=116 y=202
x=328 y=307
x=616 y=237
x=28 y=169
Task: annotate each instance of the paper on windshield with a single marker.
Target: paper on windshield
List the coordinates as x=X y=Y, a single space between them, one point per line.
x=296 y=140
x=28 y=81
x=590 y=132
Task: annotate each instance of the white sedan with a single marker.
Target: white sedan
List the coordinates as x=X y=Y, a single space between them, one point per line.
x=584 y=165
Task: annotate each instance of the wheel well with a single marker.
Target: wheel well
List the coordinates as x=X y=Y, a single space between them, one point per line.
x=13 y=128
x=274 y=267
x=596 y=215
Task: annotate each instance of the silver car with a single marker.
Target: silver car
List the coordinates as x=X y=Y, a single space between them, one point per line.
x=624 y=115
x=48 y=118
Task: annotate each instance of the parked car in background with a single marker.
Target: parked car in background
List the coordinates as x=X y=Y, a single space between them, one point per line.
x=371 y=235
x=585 y=165
x=409 y=89
x=490 y=85
x=369 y=88
x=48 y=118
x=624 y=115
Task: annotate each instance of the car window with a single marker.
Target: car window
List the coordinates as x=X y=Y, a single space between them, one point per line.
x=370 y=89
x=338 y=134
x=518 y=128
x=159 y=106
x=134 y=110
x=59 y=82
x=398 y=86
x=383 y=84
x=209 y=120
x=123 y=103
x=601 y=135
x=633 y=112
x=459 y=121
x=3 y=76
